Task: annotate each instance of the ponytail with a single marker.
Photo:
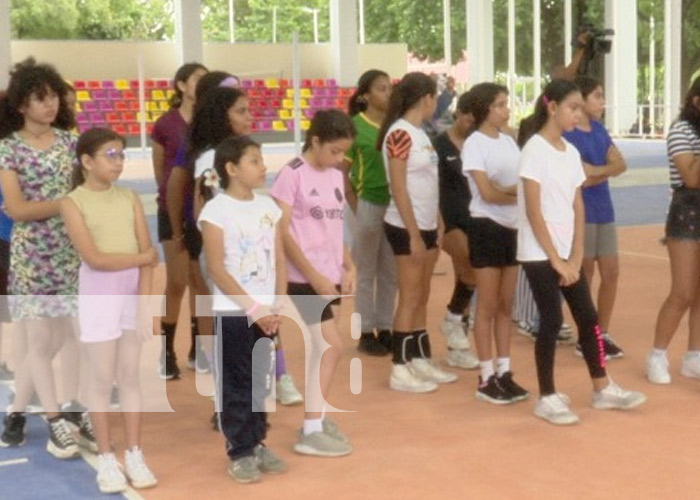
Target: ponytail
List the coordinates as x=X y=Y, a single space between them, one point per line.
x=555 y=91
x=404 y=96
x=357 y=103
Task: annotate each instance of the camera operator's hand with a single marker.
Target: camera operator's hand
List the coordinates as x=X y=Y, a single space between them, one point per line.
x=582 y=39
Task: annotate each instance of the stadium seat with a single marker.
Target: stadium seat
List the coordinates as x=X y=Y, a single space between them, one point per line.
x=331 y=82
x=134 y=105
x=164 y=106
x=157 y=95
x=272 y=83
x=246 y=84
x=121 y=106
x=284 y=83
x=163 y=83
x=79 y=84
x=129 y=95
x=318 y=83
x=259 y=84
x=152 y=106
x=279 y=126
x=108 y=84
x=99 y=95
x=112 y=118
x=105 y=105
x=305 y=83
x=114 y=94
x=134 y=129
x=82 y=118
x=285 y=114
x=83 y=95
x=119 y=128
x=306 y=93
x=264 y=125
x=129 y=117
x=121 y=84
x=96 y=118
x=305 y=125
x=94 y=84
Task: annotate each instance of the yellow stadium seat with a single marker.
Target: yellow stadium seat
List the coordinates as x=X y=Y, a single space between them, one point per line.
x=305 y=125
x=287 y=103
x=83 y=95
x=305 y=93
x=285 y=114
x=164 y=105
x=147 y=116
x=155 y=115
x=303 y=104
x=152 y=106
x=290 y=93
x=279 y=126
x=272 y=83
x=169 y=94
x=158 y=95
x=78 y=107
x=121 y=84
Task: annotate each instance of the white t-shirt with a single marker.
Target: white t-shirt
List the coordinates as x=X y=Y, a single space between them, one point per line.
x=204 y=163
x=249 y=245
x=559 y=174
x=498 y=158
x=407 y=142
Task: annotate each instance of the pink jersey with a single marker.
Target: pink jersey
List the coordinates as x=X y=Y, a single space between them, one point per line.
x=317 y=201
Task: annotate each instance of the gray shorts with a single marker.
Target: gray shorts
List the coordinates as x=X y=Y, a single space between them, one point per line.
x=600 y=240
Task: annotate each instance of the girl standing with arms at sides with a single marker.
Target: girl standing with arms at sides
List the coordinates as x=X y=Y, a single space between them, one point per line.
x=454 y=208
x=169 y=133
x=309 y=190
x=367 y=192
x=413 y=227
x=107 y=226
x=601 y=160
x=550 y=246
x=36 y=155
x=490 y=161
x=682 y=239
x=235 y=220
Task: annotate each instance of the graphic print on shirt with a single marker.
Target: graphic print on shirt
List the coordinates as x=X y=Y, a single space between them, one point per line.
x=254 y=252
x=398 y=144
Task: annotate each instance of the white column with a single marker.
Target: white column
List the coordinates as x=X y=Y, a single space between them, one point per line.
x=480 y=40
x=568 y=33
x=362 y=22
x=231 y=23
x=537 y=46
x=672 y=60
x=5 y=46
x=652 y=74
x=621 y=65
x=344 y=53
x=188 y=31
x=511 y=56
x=447 y=32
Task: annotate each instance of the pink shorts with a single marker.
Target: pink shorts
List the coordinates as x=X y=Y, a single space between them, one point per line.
x=108 y=303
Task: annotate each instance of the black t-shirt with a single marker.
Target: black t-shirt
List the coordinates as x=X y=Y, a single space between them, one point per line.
x=454 y=189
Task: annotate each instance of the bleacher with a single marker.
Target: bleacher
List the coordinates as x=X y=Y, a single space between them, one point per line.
x=115 y=103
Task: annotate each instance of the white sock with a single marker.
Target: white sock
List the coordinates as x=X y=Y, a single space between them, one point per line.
x=486 y=370
x=658 y=353
x=690 y=354
x=453 y=318
x=313 y=425
x=502 y=366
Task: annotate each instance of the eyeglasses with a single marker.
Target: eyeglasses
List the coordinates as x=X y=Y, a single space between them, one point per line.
x=114 y=155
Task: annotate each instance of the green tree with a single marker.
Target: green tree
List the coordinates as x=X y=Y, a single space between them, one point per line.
x=32 y=19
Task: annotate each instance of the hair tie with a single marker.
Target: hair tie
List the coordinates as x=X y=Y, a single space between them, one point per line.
x=545 y=100
x=230 y=82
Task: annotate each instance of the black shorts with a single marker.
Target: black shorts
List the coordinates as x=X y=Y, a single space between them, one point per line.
x=490 y=244
x=683 y=220
x=309 y=310
x=400 y=240
x=165 y=230
x=192 y=240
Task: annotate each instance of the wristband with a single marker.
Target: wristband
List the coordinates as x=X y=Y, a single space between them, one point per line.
x=252 y=309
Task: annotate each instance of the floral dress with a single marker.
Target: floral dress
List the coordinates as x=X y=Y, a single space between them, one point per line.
x=43 y=263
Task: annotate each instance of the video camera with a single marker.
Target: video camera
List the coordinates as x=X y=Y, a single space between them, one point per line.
x=597 y=42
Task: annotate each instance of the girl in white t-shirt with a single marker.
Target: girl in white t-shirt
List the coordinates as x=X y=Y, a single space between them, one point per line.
x=490 y=162
x=245 y=259
x=550 y=245
x=413 y=227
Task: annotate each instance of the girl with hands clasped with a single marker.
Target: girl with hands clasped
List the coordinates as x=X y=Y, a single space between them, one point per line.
x=245 y=259
x=414 y=228
x=107 y=226
x=550 y=247
x=309 y=190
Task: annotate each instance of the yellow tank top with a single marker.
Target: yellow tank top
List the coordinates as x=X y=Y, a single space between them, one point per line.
x=109 y=216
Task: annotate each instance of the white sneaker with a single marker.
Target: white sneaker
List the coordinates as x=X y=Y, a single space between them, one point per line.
x=614 y=397
x=427 y=370
x=691 y=365
x=657 y=369
x=286 y=392
x=403 y=379
x=454 y=334
x=555 y=410
x=462 y=358
x=110 y=478
x=137 y=471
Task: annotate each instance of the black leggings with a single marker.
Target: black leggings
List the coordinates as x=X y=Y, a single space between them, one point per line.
x=547 y=292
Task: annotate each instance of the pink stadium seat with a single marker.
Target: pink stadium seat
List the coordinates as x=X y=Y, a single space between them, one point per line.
x=96 y=118
x=114 y=94
x=90 y=106
x=265 y=125
x=246 y=84
x=99 y=95
x=331 y=82
x=105 y=106
x=108 y=84
x=82 y=118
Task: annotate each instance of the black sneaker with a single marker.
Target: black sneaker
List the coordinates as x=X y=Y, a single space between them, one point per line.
x=7 y=376
x=168 y=367
x=384 y=337
x=13 y=433
x=215 y=422
x=61 y=442
x=516 y=392
x=114 y=399
x=191 y=358
x=82 y=429
x=73 y=412
x=370 y=345
x=493 y=393
x=612 y=350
